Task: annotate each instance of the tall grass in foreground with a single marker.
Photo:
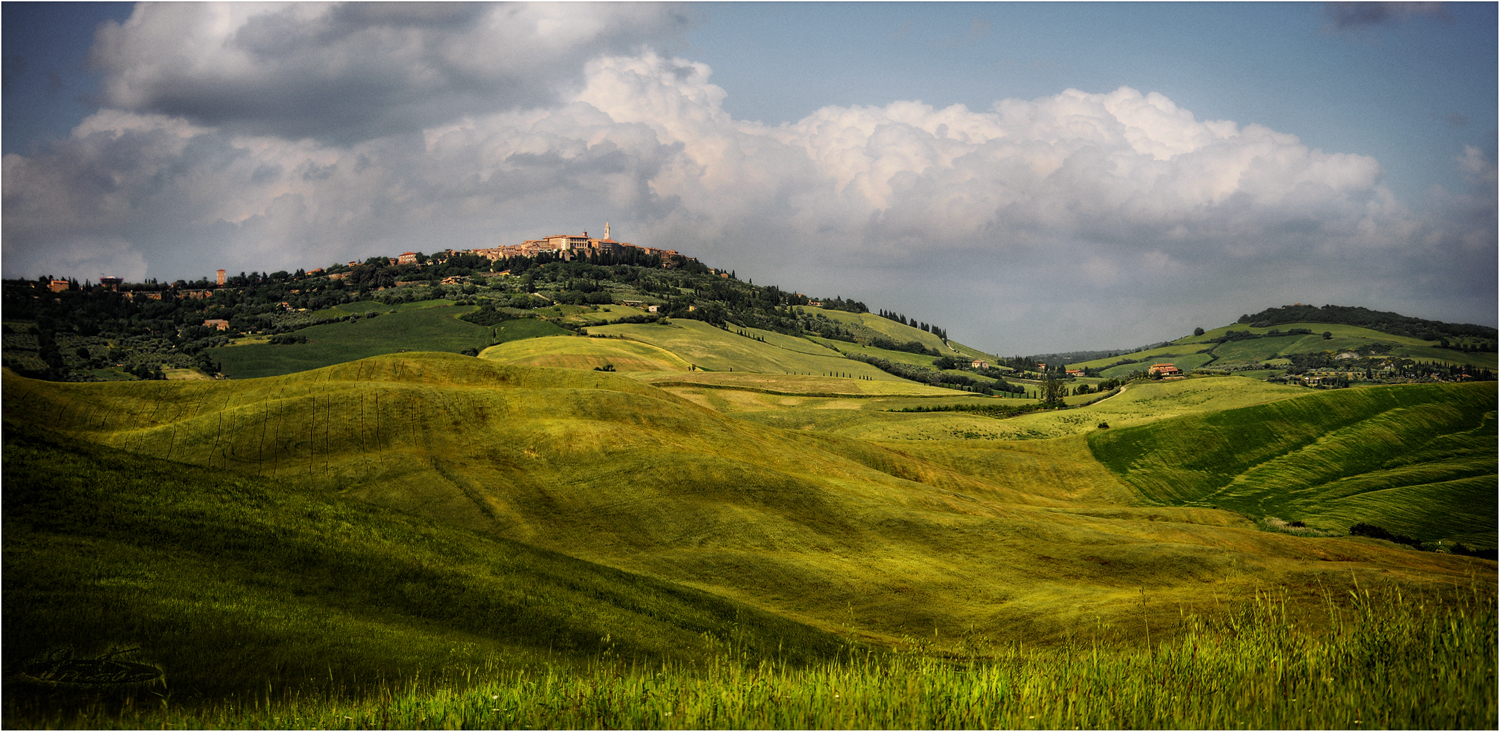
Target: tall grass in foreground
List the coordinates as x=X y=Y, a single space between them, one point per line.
x=1387 y=662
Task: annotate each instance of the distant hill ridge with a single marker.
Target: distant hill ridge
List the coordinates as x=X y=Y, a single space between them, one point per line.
x=1385 y=322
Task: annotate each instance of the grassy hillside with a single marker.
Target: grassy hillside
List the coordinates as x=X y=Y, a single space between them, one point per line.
x=867 y=324
x=1418 y=459
x=714 y=349
x=571 y=351
x=887 y=539
x=232 y=583
x=1183 y=352
x=425 y=326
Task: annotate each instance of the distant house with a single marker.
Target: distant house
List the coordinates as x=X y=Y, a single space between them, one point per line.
x=1075 y=372
x=1165 y=369
x=980 y=364
x=631 y=303
x=216 y=323
x=653 y=308
x=407 y=258
x=58 y=285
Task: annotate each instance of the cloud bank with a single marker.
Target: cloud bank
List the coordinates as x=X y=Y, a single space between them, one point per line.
x=1046 y=223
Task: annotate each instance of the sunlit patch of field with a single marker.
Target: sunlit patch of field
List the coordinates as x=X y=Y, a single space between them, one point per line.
x=715 y=349
x=1139 y=402
x=585 y=353
x=886 y=327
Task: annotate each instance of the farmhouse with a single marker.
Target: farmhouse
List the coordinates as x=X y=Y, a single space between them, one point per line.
x=1165 y=369
x=407 y=258
x=217 y=323
x=980 y=364
x=1075 y=372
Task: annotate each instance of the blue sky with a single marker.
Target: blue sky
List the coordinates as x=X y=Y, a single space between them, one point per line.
x=1116 y=174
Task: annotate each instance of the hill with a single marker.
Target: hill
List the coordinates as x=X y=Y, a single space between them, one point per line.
x=1312 y=347
x=1418 y=460
x=884 y=537
x=236 y=584
x=1384 y=322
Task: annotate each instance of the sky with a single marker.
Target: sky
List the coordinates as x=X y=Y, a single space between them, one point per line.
x=1031 y=177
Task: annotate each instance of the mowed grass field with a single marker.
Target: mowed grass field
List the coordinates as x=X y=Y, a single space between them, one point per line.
x=1416 y=459
x=424 y=326
x=880 y=538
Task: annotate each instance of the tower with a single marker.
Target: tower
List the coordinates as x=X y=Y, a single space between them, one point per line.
x=221 y=278
x=606 y=231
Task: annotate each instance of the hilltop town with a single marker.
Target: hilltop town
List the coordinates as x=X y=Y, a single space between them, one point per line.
x=565 y=247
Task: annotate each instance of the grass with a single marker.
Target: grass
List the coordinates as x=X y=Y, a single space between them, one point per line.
x=586 y=353
x=1386 y=661
x=872 y=323
x=235 y=584
x=1139 y=403
x=421 y=326
x=820 y=524
x=386 y=512
x=708 y=348
x=1417 y=459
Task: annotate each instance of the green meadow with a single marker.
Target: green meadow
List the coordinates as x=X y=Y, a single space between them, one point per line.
x=1183 y=352
x=736 y=528
x=1417 y=459
x=424 y=326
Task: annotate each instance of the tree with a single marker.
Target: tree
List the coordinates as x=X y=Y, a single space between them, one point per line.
x=1197 y=331
x=1327 y=335
x=1053 y=392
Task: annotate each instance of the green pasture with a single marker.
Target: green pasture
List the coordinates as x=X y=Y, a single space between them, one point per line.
x=882 y=536
x=792 y=385
x=1162 y=354
x=1338 y=331
x=367 y=306
x=571 y=351
x=1261 y=349
x=414 y=327
x=921 y=360
x=312 y=540
x=1138 y=403
x=1416 y=459
x=713 y=349
x=1185 y=362
x=810 y=346
x=1345 y=338
x=888 y=328
x=1444 y=355
x=233 y=584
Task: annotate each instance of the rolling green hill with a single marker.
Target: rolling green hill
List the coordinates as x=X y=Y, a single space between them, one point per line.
x=713 y=349
x=425 y=326
x=1185 y=352
x=1417 y=459
x=232 y=583
x=884 y=537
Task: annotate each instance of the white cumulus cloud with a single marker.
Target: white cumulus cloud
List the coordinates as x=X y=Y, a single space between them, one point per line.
x=1071 y=203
